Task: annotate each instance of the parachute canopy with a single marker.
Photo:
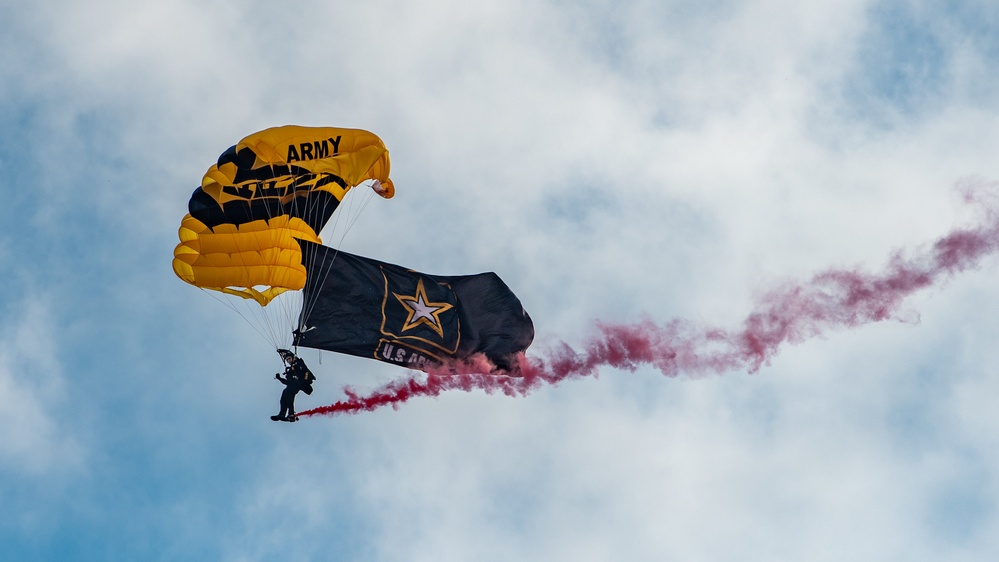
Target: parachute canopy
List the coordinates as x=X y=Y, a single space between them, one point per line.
x=271 y=188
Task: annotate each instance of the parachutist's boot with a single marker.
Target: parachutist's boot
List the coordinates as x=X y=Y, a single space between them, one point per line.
x=278 y=418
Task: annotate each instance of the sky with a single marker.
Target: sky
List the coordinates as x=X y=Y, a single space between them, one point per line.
x=613 y=162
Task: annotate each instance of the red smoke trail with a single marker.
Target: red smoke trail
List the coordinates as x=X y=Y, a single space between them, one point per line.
x=790 y=313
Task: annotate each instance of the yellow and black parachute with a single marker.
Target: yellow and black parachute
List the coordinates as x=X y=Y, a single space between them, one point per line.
x=271 y=189
x=252 y=233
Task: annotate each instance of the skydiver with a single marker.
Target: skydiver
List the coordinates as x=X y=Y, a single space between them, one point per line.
x=297 y=376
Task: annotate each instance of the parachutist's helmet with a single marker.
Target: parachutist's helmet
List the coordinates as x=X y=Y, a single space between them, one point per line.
x=285 y=354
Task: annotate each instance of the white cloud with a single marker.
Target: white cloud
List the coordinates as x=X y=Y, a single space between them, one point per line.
x=37 y=442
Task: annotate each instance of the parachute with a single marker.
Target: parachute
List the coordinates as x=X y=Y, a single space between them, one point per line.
x=252 y=235
x=271 y=188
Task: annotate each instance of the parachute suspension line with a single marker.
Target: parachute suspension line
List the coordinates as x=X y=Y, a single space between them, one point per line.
x=229 y=300
x=271 y=314
x=352 y=213
x=307 y=307
x=262 y=315
x=228 y=303
x=260 y=325
x=315 y=209
x=348 y=208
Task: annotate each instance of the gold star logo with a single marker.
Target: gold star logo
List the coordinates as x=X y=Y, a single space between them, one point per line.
x=421 y=311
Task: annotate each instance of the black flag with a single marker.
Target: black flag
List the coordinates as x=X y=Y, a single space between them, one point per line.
x=373 y=309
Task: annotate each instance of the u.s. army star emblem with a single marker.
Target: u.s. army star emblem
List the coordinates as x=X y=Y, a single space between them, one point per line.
x=421 y=311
